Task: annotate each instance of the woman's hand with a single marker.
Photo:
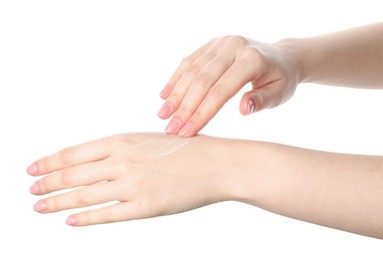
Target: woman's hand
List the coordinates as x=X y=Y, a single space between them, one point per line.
x=208 y=78
x=147 y=175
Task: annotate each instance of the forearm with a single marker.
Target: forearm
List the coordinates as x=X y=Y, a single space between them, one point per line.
x=351 y=58
x=155 y=174
x=336 y=190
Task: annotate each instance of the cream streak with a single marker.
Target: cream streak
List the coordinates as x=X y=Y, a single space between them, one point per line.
x=172 y=146
x=169 y=146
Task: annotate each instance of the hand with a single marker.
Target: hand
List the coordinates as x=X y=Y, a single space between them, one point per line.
x=213 y=74
x=147 y=175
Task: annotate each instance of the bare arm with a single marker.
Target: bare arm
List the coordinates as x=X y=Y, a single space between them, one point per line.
x=352 y=57
x=209 y=77
x=336 y=190
x=155 y=174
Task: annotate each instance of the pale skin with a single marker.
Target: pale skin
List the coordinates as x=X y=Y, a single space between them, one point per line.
x=150 y=174
x=214 y=73
x=336 y=190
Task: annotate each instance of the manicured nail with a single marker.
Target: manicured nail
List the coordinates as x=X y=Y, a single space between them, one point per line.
x=35 y=189
x=32 y=169
x=71 y=221
x=165 y=110
x=250 y=107
x=40 y=206
x=173 y=126
x=186 y=129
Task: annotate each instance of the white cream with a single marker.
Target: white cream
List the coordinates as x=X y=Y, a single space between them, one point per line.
x=159 y=147
x=142 y=143
x=172 y=146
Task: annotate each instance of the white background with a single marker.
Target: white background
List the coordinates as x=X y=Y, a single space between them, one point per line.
x=73 y=71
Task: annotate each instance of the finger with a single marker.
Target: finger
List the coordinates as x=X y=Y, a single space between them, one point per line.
x=261 y=98
x=83 y=197
x=75 y=176
x=88 y=152
x=179 y=92
x=109 y=214
x=123 y=211
x=239 y=74
x=184 y=65
x=201 y=85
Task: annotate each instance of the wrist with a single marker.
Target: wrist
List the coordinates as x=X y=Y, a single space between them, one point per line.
x=242 y=164
x=295 y=50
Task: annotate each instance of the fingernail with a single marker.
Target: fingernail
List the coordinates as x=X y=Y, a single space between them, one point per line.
x=250 y=107
x=40 y=206
x=71 y=221
x=35 y=189
x=173 y=126
x=165 y=110
x=186 y=129
x=32 y=169
x=164 y=93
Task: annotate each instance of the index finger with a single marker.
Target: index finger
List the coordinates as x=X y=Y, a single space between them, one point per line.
x=184 y=65
x=87 y=152
x=238 y=75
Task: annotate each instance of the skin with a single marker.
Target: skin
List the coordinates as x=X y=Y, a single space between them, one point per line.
x=139 y=171
x=335 y=190
x=148 y=175
x=209 y=77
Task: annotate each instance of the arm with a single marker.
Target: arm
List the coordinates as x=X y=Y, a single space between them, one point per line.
x=209 y=77
x=351 y=58
x=155 y=174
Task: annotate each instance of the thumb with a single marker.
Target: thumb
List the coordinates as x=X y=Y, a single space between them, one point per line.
x=259 y=99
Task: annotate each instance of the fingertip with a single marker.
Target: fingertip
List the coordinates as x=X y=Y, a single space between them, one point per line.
x=71 y=221
x=173 y=126
x=165 y=111
x=164 y=94
x=187 y=130
x=35 y=189
x=253 y=102
x=245 y=104
x=250 y=107
x=33 y=169
x=40 y=206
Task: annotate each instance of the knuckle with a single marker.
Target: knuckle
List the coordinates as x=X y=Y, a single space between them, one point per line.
x=53 y=204
x=83 y=197
x=44 y=185
x=193 y=69
x=252 y=54
x=184 y=111
x=44 y=165
x=198 y=116
x=67 y=179
x=236 y=40
x=203 y=80
x=66 y=156
x=253 y=63
x=186 y=61
x=174 y=97
x=261 y=102
x=109 y=217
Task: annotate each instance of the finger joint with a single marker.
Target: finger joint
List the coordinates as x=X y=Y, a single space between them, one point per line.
x=66 y=156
